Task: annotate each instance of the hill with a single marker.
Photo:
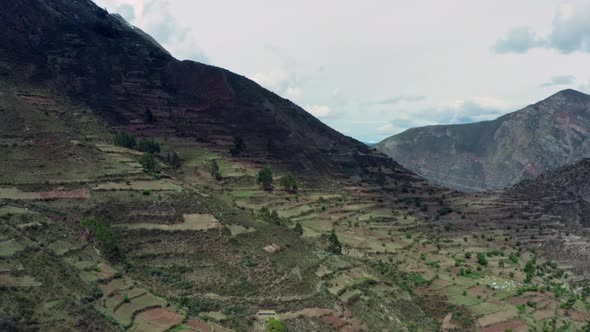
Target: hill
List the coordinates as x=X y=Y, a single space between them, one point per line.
x=81 y=51
x=495 y=154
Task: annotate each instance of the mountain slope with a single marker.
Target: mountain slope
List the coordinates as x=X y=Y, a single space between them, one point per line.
x=80 y=50
x=499 y=153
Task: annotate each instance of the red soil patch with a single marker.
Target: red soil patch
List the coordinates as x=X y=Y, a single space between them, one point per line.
x=516 y=325
x=158 y=319
x=199 y=325
x=580 y=316
x=517 y=300
x=477 y=290
x=73 y=194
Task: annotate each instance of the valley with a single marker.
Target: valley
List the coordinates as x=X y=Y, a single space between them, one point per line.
x=143 y=193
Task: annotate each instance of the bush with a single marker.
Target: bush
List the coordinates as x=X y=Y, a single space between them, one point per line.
x=275 y=325
x=125 y=140
x=215 y=172
x=148 y=162
x=289 y=183
x=298 y=229
x=173 y=160
x=334 y=245
x=270 y=217
x=444 y=211
x=265 y=178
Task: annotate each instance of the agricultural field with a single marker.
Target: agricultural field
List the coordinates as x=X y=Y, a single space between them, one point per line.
x=96 y=241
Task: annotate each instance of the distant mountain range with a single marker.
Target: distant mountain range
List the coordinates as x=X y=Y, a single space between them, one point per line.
x=496 y=154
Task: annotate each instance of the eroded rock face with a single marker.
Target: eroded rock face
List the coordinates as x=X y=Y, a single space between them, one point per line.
x=496 y=154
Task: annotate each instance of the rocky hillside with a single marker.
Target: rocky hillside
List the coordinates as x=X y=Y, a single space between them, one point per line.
x=82 y=51
x=499 y=153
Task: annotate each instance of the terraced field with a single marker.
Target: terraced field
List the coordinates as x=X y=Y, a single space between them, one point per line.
x=195 y=253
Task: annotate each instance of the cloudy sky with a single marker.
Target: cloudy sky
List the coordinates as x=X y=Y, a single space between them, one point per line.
x=372 y=69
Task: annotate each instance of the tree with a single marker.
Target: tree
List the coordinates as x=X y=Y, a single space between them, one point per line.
x=269 y=217
x=174 y=160
x=106 y=239
x=238 y=147
x=481 y=259
x=148 y=162
x=298 y=229
x=529 y=269
x=215 y=172
x=334 y=245
x=148 y=116
x=265 y=178
x=125 y=140
x=270 y=145
x=150 y=146
x=289 y=183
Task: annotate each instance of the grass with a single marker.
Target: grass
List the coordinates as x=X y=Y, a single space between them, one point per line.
x=192 y=222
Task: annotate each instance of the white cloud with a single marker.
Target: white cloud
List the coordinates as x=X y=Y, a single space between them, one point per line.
x=273 y=80
x=386 y=128
x=570 y=32
x=320 y=111
x=155 y=18
x=559 y=80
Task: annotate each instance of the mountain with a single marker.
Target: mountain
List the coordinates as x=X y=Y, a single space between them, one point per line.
x=495 y=154
x=123 y=208
x=80 y=50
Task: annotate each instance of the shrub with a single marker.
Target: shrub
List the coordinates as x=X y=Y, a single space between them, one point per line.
x=298 y=229
x=125 y=140
x=173 y=160
x=275 y=325
x=215 y=172
x=148 y=162
x=149 y=146
x=334 y=245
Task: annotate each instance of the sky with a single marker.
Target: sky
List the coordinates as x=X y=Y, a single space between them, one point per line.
x=372 y=69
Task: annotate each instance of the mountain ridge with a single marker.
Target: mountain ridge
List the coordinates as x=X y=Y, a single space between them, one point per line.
x=88 y=54
x=495 y=154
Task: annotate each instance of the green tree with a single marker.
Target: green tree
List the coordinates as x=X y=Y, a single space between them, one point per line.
x=215 y=172
x=298 y=228
x=174 y=160
x=289 y=183
x=264 y=178
x=105 y=238
x=148 y=116
x=238 y=147
x=270 y=145
x=275 y=325
x=481 y=259
x=149 y=146
x=334 y=245
x=148 y=161
x=125 y=140
x=529 y=269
